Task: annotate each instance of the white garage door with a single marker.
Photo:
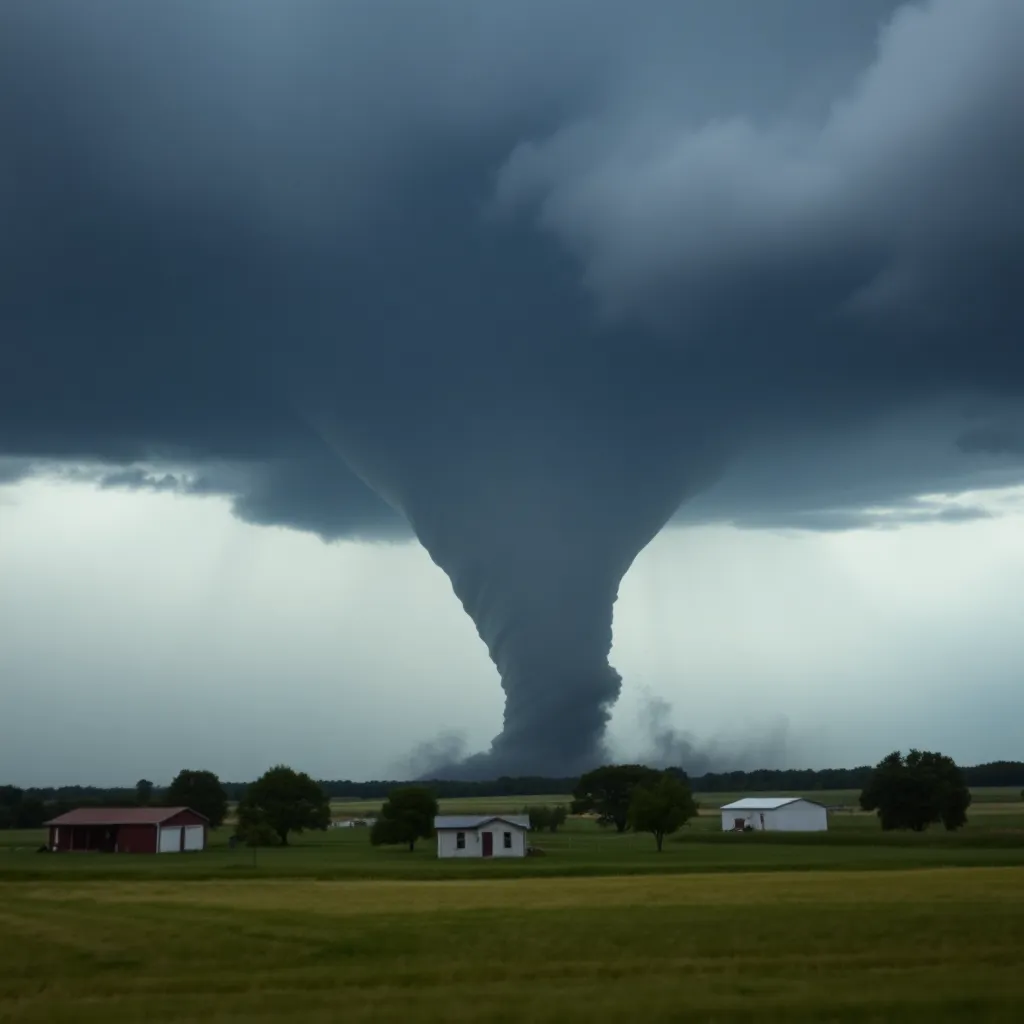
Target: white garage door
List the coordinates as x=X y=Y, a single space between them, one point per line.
x=170 y=840
x=193 y=837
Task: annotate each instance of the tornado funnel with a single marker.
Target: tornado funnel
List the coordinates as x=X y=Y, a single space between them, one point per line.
x=535 y=515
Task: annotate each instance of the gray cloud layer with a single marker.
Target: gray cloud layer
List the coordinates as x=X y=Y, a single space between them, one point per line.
x=533 y=273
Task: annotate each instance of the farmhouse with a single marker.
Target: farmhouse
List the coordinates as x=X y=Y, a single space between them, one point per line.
x=481 y=835
x=128 y=830
x=774 y=814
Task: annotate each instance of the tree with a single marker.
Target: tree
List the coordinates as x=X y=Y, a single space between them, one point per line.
x=407 y=815
x=540 y=817
x=286 y=801
x=608 y=791
x=255 y=830
x=30 y=813
x=661 y=807
x=200 y=790
x=916 y=791
x=10 y=801
x=545 y=818
x=143 y=792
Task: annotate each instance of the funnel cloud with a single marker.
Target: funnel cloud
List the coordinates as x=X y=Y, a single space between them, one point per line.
x=525 y=281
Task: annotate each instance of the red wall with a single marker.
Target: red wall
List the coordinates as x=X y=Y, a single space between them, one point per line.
x=136 y=839
x=185 y=818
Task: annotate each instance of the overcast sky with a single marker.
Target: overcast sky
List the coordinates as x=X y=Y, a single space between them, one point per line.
x=144 y=633
x=485 y=295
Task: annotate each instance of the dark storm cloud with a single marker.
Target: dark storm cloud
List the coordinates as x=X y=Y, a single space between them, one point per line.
x=992 y=440
x=527 y=276
x=13 y=470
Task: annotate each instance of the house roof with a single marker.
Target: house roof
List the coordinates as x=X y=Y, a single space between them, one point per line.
x=766 y=803
x=120 y=815
x=470 y=821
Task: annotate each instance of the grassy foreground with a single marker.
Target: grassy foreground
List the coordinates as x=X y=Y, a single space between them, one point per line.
x=924 y=945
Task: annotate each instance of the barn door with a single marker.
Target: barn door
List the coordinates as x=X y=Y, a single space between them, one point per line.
x=170 y=840
x=488 y=844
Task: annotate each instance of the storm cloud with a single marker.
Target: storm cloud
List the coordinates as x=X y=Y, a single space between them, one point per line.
x=528 y=280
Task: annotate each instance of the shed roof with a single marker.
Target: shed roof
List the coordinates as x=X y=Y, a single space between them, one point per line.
x=766 y=803
x=469 y=821
x=120 y=816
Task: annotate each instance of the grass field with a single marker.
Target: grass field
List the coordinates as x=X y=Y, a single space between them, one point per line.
x=510 y=804
x=847 y=925
x=841 y=946
x=994 y=837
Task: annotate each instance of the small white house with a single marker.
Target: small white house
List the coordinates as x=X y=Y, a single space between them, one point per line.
x=481 y=835
x=774 y=814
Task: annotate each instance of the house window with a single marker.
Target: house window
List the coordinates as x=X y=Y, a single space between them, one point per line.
x=460 y=840
x=508 y=840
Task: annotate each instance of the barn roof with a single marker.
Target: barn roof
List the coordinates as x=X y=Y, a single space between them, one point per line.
x=476 y=820
x=765 y=803
x=120 y=815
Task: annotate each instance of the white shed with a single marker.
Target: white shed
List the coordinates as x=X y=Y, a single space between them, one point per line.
x=481 y=835
x=774 y=814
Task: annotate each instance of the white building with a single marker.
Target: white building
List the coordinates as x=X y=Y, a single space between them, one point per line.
x=774 y=814
x=481 y=835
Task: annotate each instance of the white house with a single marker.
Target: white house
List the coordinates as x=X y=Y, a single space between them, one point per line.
x=481 y=835
x=774 y=814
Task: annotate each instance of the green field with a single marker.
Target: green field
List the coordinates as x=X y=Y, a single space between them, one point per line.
x=841 y=946
x=993 y=837
x=848 y=925
x=512 y=804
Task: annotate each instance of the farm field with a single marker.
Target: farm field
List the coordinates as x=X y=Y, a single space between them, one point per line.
x=928 y=945
x=847 y=925
x=993 y=837
x=708 y=801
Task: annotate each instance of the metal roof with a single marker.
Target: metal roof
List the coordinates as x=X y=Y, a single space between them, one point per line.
x=469 y=821
x=120 y=815
x=765 y=803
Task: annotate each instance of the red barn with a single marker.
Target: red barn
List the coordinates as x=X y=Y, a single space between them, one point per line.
x=128 y=830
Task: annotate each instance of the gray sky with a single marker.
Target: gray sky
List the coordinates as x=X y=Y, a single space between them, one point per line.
x=145 y=633
x=525 y=281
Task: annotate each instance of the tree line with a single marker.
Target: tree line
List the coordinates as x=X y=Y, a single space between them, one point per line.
x=909 y=791
x=995 y=773
x=30 y=807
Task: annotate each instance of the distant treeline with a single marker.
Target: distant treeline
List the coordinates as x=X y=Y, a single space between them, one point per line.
x=30 y=807
x=998 y=773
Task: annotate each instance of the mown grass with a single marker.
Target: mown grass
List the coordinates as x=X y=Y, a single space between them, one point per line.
x=901 y=946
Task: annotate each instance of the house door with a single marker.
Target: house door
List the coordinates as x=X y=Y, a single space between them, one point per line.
x=488 y=844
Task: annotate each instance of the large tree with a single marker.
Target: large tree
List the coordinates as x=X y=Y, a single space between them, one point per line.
x=143 y=792
x=661 y=807
x=407 y=815
x=608 y=790
x=201 y=790
x=286 y=800
x=916 y=791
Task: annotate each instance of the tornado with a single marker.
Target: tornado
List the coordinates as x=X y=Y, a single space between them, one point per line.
x=535 y=516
